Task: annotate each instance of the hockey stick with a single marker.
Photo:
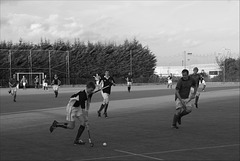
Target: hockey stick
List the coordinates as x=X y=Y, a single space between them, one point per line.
x=89 y=139
x=100 y=89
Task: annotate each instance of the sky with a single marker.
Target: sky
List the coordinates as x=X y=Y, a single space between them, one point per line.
x=205 y=29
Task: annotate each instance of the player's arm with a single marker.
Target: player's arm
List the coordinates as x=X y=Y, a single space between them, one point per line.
x=113 y=82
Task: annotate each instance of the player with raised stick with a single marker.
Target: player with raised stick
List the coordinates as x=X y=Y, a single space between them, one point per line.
x=56 y=83
x=129 y=81
x=77 y=108
x=183 y=101
x=13 y=83
x=107 y=81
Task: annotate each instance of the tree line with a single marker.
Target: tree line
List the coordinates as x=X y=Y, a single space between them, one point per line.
x=85 y=59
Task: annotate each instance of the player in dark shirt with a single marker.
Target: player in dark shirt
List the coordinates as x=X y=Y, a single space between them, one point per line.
x=129 y=81
x=77 y=108
x=56 y=84
x=197 y=77
x=13 y=83
x=182 y=99
x=107 y=80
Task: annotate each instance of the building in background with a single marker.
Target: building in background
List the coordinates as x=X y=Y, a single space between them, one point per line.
x=210 y=69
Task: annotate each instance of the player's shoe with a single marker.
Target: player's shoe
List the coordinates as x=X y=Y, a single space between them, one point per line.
x=174 y=126
x=9 y=91
x=53 y=126
x=105 y=114
x=203 y=90
x=79 y=142
x=179 y=120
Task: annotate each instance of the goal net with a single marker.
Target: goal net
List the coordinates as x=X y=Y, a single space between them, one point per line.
x=31 y=78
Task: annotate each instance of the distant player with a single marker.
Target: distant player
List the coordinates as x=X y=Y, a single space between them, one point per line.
x=45 y=83
x=24 y=82
x=77 y=108
x=107 y=80
x=129 y=81
x=169 y=78
x=97 y=80
x=56 y=83
x=183 y=101
x=36 y=82
x=13 y=83
x=202 y=81
x=197 y=77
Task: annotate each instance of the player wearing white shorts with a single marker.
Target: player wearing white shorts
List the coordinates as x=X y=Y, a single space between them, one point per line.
x=202 y=81
x=13 y=83
x=183 y=98
x=23 y=82
x=129 y=81
x=45 y=83
x=169 y=81
x=77 y=109
x=56 y=83
x=107 y=80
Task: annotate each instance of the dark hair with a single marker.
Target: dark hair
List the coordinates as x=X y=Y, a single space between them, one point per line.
x=185 y=71
x=91 y=85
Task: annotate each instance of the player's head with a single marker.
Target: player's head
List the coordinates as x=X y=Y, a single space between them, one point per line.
x=14 y=75
x=55 y=76
x=185 y=73
x=90 y=87
x=195 y=70
x=107 y=73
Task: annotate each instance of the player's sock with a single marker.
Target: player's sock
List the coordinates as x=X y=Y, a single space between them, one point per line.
x=129 y=88
x=196 y=101
x=80 y=131
x=175 y=118
x=62 y=125
x=14 y=98
x=181 y=115
x=105 y=109
x=101 y=108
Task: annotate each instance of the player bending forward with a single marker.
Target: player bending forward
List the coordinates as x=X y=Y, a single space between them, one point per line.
x=77 y=108
x=183 y=100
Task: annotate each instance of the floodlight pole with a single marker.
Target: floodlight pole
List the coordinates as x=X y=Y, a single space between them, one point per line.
x=49 y=65
x=10 y=63
x=30 y=59
x=131 y=62
x=68 y=68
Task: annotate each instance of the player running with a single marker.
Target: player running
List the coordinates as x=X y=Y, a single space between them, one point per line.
x=77 y=108
x=24 y=82
x=169 y=81
x=183 y=101
x=129 y=81
x=13 y=83
x=107 y=80
x=36 y=82
x=197 y=77
x=56 y=83
x=202 y=81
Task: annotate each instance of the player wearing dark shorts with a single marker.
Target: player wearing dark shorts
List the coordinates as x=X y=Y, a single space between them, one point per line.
x=197 y=77
x=107 y=80
x=182 y=99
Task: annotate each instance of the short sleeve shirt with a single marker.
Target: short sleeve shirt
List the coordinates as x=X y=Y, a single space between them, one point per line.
x=107 y=82
x=83 y=98
x=184 y=87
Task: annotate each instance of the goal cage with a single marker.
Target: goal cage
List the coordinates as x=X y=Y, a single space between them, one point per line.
x=30 y=77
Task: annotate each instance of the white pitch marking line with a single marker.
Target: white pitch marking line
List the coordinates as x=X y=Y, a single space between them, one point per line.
x=141 y=155
x=201 y=148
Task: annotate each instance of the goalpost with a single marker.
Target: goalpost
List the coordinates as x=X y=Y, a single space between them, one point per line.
x=30 y=77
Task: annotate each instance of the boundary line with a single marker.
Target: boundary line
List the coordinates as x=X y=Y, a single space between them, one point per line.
x=135 y=154
x=160 y=152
